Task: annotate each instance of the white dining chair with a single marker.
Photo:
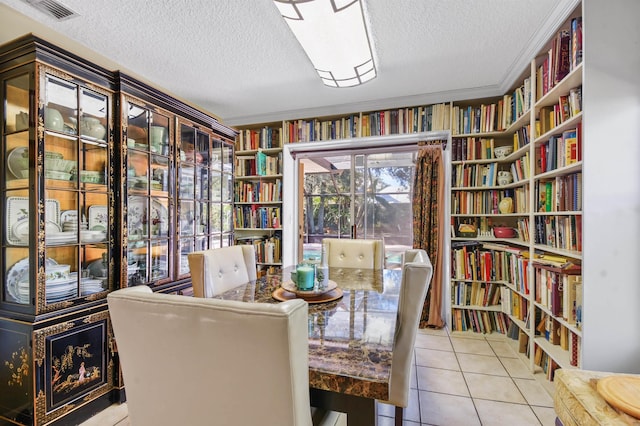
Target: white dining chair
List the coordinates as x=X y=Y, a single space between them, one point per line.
x=346 y=253
x=215 y=271
x=416 y=278
x=198 y=361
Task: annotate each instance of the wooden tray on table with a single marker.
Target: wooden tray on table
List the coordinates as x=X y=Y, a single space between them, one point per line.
x=289 y=291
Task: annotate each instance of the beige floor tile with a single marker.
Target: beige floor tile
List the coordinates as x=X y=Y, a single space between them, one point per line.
x=389 y=421
x=436 y=359
x=411 y=412
x=502 y=349
x=481 y=364
x=498 y=337
x=434 y=331
x=516 y=368
x=115 y=414
x=444 y=410
x=534 y=393
x=494 y=413
x=546 y=415
x=471 y=346
x=467 y=335
x=442 y=381
x=494 y=388
x=429 y=341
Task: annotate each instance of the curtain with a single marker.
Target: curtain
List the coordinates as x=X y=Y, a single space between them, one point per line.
x=429 y=226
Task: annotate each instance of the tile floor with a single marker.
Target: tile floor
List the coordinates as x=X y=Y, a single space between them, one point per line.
x=459 y=379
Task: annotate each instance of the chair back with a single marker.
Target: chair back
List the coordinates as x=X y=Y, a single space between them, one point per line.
x=416 y=278
x=346 y=253
x=217 y=270
x=194 y=361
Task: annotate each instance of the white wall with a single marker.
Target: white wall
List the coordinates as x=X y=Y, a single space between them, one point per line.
x=611 y=153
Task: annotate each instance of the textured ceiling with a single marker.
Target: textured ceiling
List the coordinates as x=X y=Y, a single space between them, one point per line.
x=239 y=60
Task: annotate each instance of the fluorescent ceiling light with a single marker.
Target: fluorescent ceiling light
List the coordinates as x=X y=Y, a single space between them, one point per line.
x=333 y=33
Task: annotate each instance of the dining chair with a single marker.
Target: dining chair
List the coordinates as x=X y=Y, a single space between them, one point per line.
x=215 y=271
x=416 y=278
x=347 y=253
x=198 y=361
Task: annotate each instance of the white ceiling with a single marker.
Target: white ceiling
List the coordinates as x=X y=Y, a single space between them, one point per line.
x=239 y=60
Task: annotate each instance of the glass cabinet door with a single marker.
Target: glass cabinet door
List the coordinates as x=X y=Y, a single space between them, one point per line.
x=149 y=187
x=56 y=193
x=203 y=190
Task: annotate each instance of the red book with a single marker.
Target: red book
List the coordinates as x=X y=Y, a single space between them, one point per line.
x=563 y=56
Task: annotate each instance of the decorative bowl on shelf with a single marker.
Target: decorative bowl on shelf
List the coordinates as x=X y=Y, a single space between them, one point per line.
x=502 y=151
x=57 y=272
x=92 y=127
x=89 y=236
x=504 y=232
x=53 y=119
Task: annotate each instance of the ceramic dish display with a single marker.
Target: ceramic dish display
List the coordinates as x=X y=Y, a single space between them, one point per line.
x=92 y=236
x=69 y=216
x=57 y=175
x=61 y=237
x=290 y=286
x=90 y=176
x=18 y=211
x=137 y=212
x=89 y=286
x=19 y=273
x=98 y=218
x=18 y=161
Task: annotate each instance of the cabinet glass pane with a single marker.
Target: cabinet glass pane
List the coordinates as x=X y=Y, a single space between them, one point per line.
x=186 y=179
x=159 y=260
x=16 y=288
x=227 y=218
x=187 y=218
x=186 y=247
x=61 y=161
x=136 y=263
x=215 y=218
x=61 y=105
x=137 y=218
x=216 y=186
x=201 y=243
x=137 y=171
x=227 y=188
x=93 y=121
x=202 y=148
x=93 y=166
x=16 y=111
x=227 y=158
x=159 y=218
x=159 y=134
x=216 y=155
x=62 y=275
x=17 y=159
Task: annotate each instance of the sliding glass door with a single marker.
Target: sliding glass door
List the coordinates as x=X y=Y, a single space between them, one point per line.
x=365 y=194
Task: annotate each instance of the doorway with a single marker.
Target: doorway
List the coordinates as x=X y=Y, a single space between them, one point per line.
x=363 y=194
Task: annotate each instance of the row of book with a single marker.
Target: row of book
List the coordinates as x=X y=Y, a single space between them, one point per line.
x=514 y=304
x=474 y=175
x=521 y=137
x=487 y=201
x=471 y=148
x=515 y=104
x=475 y=293
x=563 y=56
x=257 y=192
x=473 y=262
x=559 y=232
x=560 y=291
x=521 y=168
x=559 y=151
x=406 y=120
x=479 y=321
x=568 y=106
x=259 y=164
x=263 y=138
x=557 y=334
x=268 y=249
x=257 y=217
x=547 y=363
x=322 y=130
x=560 y=194
x=477 y=119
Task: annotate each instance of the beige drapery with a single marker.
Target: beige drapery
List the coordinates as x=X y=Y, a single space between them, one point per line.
x=429 y=223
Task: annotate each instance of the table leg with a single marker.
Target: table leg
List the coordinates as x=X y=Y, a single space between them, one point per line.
x=360 y=411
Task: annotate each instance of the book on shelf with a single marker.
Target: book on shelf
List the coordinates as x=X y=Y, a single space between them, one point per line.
x=576 y=42
x=562 y=62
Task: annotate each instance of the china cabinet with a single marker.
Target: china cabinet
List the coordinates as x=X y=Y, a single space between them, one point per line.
x=57 y=233
x=106 y=182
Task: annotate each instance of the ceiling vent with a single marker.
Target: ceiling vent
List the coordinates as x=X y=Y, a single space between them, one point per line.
x=53 y=8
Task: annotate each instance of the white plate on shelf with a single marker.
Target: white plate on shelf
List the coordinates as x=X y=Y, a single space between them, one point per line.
x=19 y=274
x=69 y=216
x=60 y=237
x=13 y=161
x=18 y=210
x=137 y=216
x=98 y=218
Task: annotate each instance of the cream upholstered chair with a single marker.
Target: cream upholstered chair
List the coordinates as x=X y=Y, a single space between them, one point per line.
x=346 y=253
x=416 y=278
x=195 y=361
x=217 y=270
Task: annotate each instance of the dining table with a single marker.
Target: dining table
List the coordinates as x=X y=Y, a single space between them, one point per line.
x=350 y=337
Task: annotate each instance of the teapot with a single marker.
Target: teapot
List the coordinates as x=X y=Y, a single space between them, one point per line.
x=91 y=126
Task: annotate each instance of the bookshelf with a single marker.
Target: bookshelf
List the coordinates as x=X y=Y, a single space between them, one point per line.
x=257 y=213
x=602 y=91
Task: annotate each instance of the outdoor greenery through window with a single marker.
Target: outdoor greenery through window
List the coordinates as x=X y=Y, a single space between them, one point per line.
x=359 y=196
